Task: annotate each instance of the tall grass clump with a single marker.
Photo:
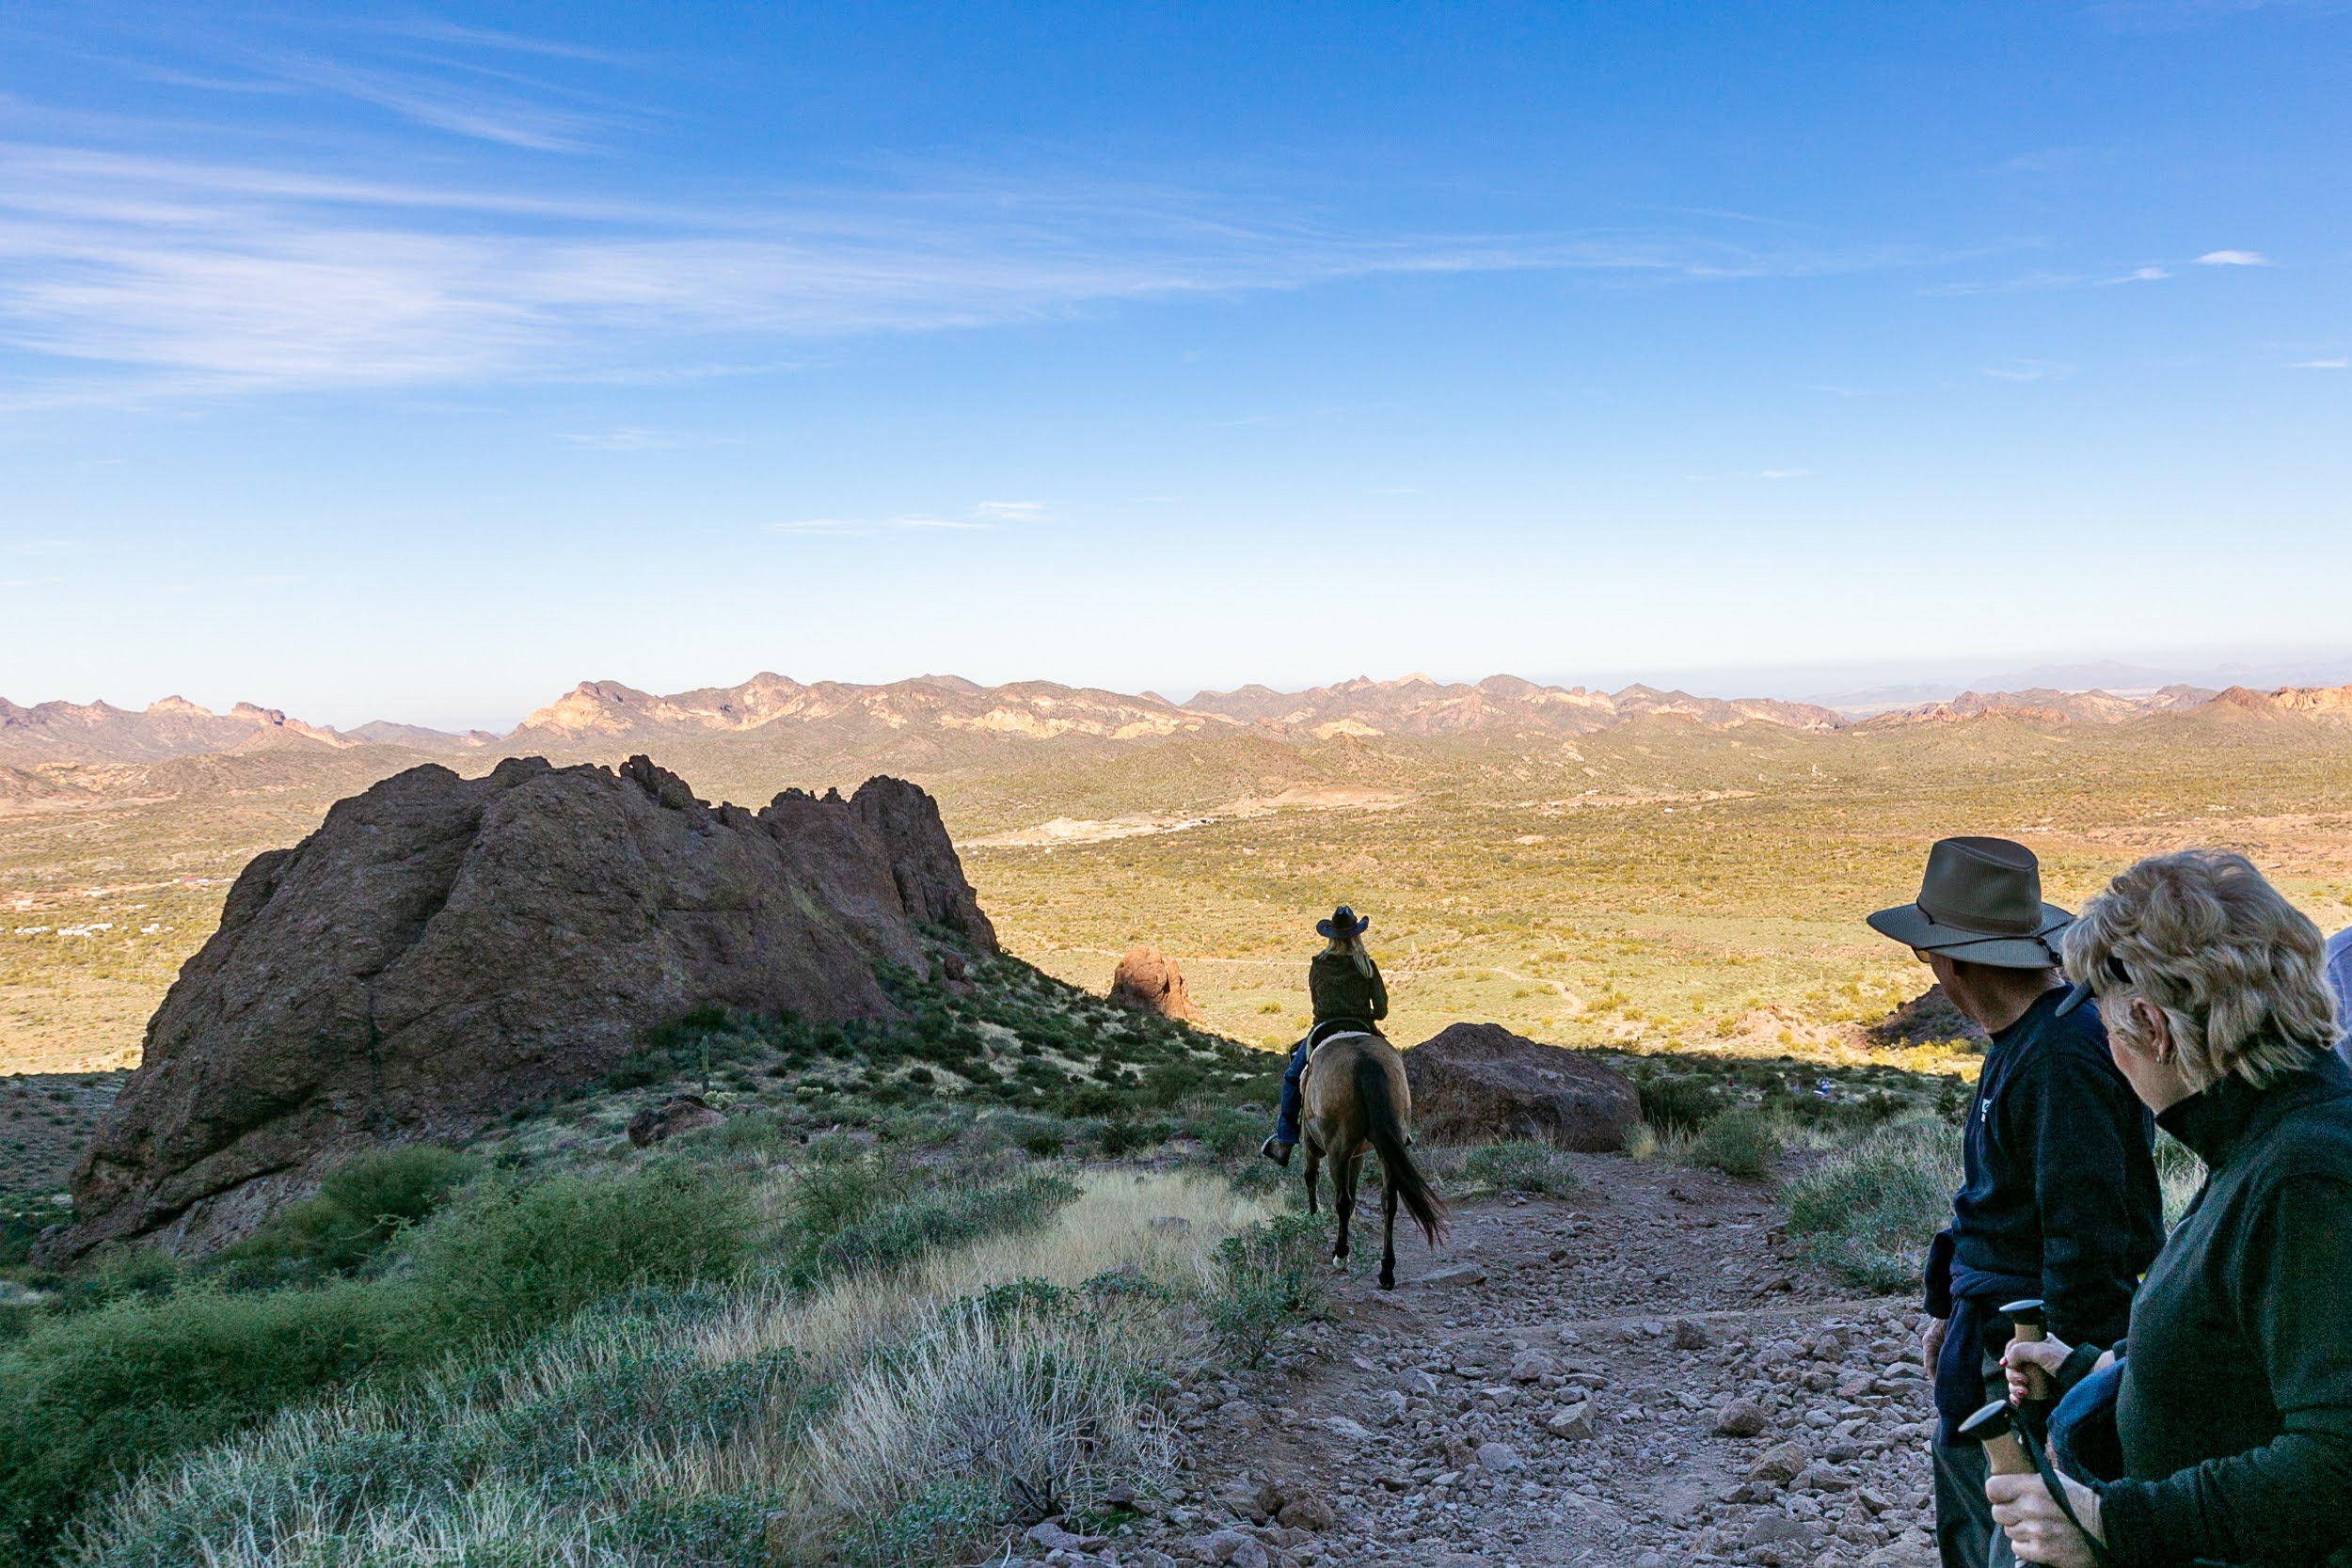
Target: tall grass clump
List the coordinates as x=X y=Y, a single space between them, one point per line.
x=89 y=1398
x=1869 y=1212
x=909 y=1416
x=554 y=1453
x=861 y=1214
x=1520 y=1166
x=1745 y=1142
x=1269 y=1281
x=987 y=1417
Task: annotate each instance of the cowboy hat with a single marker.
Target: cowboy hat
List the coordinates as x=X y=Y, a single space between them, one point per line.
x=1342 y=923
x=1981 y=901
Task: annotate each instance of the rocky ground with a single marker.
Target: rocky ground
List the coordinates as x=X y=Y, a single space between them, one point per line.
x=1639 y=1375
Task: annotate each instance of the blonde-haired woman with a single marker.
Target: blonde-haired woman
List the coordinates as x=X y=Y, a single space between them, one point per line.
x=1348 y=994
x=2234 y=1407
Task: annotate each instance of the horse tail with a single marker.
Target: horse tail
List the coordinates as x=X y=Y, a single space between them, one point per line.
x=1388 y=1141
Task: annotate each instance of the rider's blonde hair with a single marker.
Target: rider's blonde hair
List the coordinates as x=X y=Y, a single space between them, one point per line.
x=1353 y=947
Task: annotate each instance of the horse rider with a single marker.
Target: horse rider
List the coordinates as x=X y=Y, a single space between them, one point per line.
x=1350 y=998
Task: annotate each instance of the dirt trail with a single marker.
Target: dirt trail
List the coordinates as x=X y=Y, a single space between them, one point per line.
x=1550 y=1388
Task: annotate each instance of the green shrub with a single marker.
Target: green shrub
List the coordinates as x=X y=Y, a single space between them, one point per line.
x=87 y=1398
x=1741 y=1143
x=1678 y=1105
x=1869 y=1211
x=941 y=1524
x=357 y=1210
x=1269 y=1280
x=1123 y=1137
x=1230 y=1130
x=861 y=1221
x=513 y=1258
x=1521 y=1165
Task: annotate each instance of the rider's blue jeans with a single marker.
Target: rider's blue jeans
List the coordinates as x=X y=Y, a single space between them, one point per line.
x=1286 y=1114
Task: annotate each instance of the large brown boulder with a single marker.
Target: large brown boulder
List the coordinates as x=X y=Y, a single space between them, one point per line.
x=1149 y=979
x=1480 y=1082
x=443 y=950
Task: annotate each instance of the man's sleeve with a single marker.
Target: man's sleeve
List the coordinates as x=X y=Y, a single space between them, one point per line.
x=1380 y=996
x=2291 y=1499
x=2086 y=1135
x=1938 y=1278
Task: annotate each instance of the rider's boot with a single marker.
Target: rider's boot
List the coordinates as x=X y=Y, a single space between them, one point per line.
x=1276 y=1151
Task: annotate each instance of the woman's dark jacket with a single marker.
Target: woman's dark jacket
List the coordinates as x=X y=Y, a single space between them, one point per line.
x=2235 y=1413
x=1341 y=990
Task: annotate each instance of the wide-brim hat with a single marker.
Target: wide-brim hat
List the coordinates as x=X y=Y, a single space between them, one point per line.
x=1980 y=902
x=1343 y=922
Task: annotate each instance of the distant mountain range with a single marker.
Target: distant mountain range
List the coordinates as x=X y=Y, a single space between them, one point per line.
x=605 y=717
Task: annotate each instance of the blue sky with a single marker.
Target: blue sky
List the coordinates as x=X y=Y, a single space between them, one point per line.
x=418 y=361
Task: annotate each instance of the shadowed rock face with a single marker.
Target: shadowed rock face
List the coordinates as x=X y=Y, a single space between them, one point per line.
x=443 y=950
x=1480 y=1082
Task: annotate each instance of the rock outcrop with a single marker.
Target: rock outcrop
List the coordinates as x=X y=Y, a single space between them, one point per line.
x=1929 y=1017
x=443 y=950
x=686 y=1112
x=1149 y=979
x=1479 y=1080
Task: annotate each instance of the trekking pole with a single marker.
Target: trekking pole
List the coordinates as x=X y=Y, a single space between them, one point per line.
x=2030 y=1324
x=1991 y=1426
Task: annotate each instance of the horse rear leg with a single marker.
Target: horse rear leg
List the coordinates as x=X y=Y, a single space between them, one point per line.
x=1314 y=1166
x=1343 y=1178
x=1388 y=1231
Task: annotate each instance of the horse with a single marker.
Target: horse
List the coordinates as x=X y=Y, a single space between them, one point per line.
x=1356 y=1094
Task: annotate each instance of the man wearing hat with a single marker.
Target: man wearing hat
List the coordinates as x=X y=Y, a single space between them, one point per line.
x=2060 y=1199
x=1348 y=995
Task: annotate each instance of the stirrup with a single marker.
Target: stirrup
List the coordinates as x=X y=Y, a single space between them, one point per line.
x=1276 y=1151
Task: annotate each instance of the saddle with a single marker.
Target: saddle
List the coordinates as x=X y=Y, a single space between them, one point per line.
x=1327 y=1028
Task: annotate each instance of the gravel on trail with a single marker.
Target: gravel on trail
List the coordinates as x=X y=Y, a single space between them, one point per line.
x=1639 y=1375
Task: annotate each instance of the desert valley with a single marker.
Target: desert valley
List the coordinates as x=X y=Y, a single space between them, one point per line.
x=1668 y=1326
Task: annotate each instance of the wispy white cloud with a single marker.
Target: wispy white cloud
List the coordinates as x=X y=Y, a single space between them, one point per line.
x=2234 y=259
x=839 y=527
x=2028 y=370
x=858 y=527
x=631 y=439
x=1012 y=512
x=199 y=275
x=2140 y=274
x=445 y=105
x=2031 y=282
x=2338 y=363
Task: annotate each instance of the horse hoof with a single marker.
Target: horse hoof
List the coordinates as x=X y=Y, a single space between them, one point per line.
x=1388 y=1282
x=1339 y=1261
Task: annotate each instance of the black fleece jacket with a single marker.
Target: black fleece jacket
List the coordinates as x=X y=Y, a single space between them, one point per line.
x=2060 y=1198
x=2235 y=1413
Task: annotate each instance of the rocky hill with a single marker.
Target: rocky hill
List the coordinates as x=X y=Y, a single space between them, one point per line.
x=944 y=721
x=444 y=950
x=173 y=727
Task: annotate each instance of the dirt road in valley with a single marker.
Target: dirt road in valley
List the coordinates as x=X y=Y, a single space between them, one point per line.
x=1639 y=1374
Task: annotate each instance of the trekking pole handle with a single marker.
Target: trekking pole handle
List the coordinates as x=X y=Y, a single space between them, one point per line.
x=2003 y=1452
x=2029 y=1324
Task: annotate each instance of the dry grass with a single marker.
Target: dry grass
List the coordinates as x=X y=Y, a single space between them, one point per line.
x=947 y=1411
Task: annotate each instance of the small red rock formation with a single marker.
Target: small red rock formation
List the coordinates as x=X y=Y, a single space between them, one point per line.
x=1149 y=979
